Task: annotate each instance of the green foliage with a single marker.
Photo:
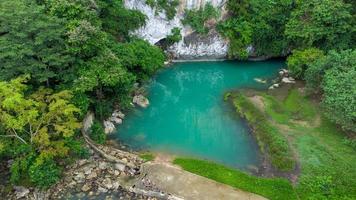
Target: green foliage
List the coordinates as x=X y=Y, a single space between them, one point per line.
x=339 y=88
x=270 y=140
x=97 y=133
x=140 y=57
x=34 y=46
x=272 y=188
x=44 y=174
x=175 y=36
x=35 y=128
x=77 y=148
x=197 y=18
x=300 y=59
x=258 y=23
x=325 y=24
x=63 y=44
x=239 y=32
x=168 y=6
x=81 y=101
x=118 y=20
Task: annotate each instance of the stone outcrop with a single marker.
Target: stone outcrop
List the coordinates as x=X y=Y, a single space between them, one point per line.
x=192 y=46
x=140 y=100
x=116 y=118
x=284 y=78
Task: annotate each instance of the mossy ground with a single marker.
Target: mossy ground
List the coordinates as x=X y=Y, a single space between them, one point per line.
x=147 y=156
x=327 y=162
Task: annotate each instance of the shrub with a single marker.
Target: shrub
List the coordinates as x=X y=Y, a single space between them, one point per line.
x=175 y=36
x=44 y=174
x=300 y=59
x=168 y=6
x=339 y=87
x=97 y=133
x=196 y=18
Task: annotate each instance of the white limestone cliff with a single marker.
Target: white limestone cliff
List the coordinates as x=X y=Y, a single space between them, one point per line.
x=192 y=46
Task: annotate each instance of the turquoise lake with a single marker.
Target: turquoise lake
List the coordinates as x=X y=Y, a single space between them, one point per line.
x=188 y=116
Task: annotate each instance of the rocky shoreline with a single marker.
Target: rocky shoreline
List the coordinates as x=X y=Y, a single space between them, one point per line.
x=108 y=173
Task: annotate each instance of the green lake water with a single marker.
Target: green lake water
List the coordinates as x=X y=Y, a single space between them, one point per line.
x=188 y=115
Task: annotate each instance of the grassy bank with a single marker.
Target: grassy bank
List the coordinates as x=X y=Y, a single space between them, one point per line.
x=327 y=162
x=269 y=138
x=270 y=188
x=326 y=159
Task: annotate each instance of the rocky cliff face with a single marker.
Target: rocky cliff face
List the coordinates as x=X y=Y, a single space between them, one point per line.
x=192 y=46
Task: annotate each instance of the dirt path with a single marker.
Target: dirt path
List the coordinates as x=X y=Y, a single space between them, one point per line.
x=188 y=186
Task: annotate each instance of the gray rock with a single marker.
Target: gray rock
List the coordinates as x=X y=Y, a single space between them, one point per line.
x=80 y=177
x=141 y=101
x=101 y=189
x=92 y=175
x=116 y=120
x=276 y=85
x=21 y=192
x=107 y=183
x=109 y=127
x=103 y=165
x=287 y=80
x=86 y=187
x=119 y=166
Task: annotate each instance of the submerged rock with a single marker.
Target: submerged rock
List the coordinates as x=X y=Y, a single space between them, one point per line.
x=141 y=101
x=259 y=80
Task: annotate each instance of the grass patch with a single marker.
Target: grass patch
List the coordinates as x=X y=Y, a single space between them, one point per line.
x=147 y=156
x=328 y=164
x=275 y=188
x=270 y=140
x=294 y=106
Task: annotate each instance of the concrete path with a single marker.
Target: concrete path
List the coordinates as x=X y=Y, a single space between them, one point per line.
x=186 y=185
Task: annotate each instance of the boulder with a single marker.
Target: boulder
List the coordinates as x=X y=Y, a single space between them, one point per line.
x=271 y=87
x=109 y=127
x=21 y=192
x=86 y=187
x=103 y=165
x=80 y=177
x=92 y=175
x=107 y=183
x=116 y=120
x=120 y=167
x=276 y=85
x=140 y=100
x=287 y=80
x=118 y=114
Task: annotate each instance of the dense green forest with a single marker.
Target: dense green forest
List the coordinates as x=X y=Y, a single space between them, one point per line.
x=61 y=58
